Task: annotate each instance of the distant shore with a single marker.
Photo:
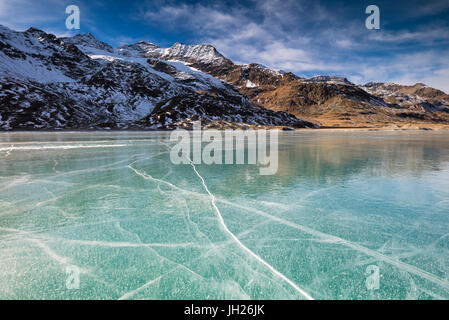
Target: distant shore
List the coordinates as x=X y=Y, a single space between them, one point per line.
x=284 y=129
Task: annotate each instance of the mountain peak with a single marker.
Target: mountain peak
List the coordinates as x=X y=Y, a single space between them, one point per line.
x=143 y=42
x=331 y=79
x=88 y=40
x=34 y=31
x=87 y=35
x=204 y=53
x=139 y=49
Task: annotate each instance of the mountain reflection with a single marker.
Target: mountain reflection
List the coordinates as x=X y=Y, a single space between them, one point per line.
x=334 y=157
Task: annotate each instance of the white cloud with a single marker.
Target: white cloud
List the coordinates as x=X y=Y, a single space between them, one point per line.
x=427 y=8
x=293 y=35
x=428 y=67
x=423 y=36
x=438 y=79
x=283 y=34
x=344 y=43
x=21 y=14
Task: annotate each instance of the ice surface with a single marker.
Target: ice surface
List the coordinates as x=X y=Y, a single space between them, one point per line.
x=139 y=227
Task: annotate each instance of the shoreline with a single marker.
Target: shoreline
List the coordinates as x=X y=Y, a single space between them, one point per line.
x=283 y=129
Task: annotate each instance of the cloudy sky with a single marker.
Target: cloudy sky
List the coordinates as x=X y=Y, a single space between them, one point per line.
x=307 y=37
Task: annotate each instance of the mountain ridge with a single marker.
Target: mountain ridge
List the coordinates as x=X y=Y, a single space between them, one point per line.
x=91 y=85
x=78 y=83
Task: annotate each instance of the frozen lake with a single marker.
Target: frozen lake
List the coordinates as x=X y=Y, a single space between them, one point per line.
x=349 y=215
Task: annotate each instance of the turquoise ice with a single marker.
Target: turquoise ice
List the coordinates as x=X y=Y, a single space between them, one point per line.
x=112 y=205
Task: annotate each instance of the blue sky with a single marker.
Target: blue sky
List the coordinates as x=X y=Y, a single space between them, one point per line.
x=303 y=36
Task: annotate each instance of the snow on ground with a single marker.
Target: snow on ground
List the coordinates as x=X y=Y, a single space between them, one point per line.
x=250 y=84
x=182 y=66
x=185 y=71
x=30 y=68
x=107 y=57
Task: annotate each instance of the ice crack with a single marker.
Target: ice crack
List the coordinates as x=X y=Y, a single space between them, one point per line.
x=246 y=249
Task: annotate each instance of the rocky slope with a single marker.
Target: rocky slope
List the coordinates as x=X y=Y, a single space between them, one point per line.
x=417 y=97
x=336 y=102
x=329 y=100
x=82 y=83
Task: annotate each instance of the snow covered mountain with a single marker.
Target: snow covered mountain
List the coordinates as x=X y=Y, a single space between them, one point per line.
x=87 y=42
x=82 y=83
x=417 y=97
